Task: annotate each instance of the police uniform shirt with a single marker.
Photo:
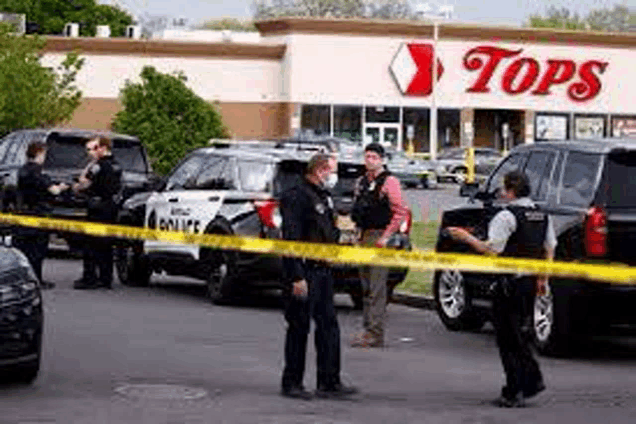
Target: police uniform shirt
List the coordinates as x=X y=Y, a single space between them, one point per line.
x=308 y=215
x=33 y=185
x=504 y=224
x=105 y=177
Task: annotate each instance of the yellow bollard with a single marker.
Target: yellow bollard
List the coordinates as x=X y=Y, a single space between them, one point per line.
x=470 y=165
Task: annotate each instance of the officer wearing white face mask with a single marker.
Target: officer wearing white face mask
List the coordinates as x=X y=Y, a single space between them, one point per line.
x=308 y=215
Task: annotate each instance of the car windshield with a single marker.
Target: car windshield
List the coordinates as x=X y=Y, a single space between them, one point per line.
x=69 y=152
x=290 y=173
x=452 y=154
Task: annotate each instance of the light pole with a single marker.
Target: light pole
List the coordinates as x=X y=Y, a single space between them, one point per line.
x=443 y=12
x=433 y=118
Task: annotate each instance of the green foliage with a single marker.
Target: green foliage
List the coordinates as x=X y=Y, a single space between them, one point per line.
x=167 y=117
x=374 y=9
x=618 y=19
x=33 y=95
x=229 y=23
x=52 y=15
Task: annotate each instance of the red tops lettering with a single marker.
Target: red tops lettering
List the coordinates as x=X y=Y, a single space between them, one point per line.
x=524 y=73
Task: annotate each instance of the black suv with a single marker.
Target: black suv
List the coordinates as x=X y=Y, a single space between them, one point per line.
x=232 y=189
x=585 y=186
x=21 y=318
x=65 y=160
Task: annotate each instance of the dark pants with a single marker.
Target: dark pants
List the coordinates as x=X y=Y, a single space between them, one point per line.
x=298 y=313
x=34 y=244
x=98 y=252
x=98 y=261
x=510 y=309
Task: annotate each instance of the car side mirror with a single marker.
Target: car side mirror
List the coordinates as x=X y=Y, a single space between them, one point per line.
x=469 y=190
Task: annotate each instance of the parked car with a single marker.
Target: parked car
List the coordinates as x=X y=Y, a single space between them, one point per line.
x=21 y=318
x=411 y=172
x=585 y=187
x=450 y=164
x=65 y=160
x=232 y=189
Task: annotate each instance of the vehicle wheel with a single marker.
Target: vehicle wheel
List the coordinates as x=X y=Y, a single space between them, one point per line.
x=27 y=373
x=550 y=324
x=220 y=282
x=132 y=267
x=452 y=302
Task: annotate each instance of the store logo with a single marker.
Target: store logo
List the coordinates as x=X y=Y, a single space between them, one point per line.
x=412 y=68
x=525 y=73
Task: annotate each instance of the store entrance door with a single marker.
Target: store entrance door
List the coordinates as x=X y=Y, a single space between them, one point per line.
x=389 y=135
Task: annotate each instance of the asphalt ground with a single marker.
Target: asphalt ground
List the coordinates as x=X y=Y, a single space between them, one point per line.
x=164 y=354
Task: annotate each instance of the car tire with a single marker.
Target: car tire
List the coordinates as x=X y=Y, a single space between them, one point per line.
x=551 y=323
x=453 y=302
x=132 y=266
x=220 y=282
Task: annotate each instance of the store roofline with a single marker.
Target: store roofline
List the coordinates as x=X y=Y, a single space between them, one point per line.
x=447 y=30
x=163 y=48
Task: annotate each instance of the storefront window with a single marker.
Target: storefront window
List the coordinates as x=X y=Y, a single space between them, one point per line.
x=551 y=127
x=623 y=126
x=382 y=114
x=347 y=122
x=415 y=126
x=316 y=118
x=589 y=127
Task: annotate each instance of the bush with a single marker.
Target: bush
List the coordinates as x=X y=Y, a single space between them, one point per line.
x=168 y=118
x=33 y=95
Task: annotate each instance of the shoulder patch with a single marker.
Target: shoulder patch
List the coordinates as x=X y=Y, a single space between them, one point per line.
x=95 y=168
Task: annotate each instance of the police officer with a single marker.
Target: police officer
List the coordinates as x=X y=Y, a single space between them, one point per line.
x=101 y=182
x=518 y=230
x=34 y=192
x=378 y=212
x=308 y=215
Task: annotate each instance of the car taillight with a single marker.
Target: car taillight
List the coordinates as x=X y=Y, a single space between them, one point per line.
x=405 y=227
x=269 y=213
x=596 y=232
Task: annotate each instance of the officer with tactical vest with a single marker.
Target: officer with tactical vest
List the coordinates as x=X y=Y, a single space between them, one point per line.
x=378 y=211
x=35 y=190
x=518 y=230
x=101 y=182
x=308 y=215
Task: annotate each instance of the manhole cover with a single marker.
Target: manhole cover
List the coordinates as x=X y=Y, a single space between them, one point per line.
x=160 y=391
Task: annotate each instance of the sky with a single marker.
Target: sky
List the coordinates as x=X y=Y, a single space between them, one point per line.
x=494 y=12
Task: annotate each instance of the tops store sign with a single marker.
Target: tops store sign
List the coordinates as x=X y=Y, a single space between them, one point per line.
x=412 y=68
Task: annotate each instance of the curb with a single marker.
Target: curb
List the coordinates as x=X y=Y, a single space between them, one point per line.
x=413 y=300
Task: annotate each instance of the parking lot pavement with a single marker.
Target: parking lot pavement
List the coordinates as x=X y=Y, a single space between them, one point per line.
x=163 y=354
x=427 y=204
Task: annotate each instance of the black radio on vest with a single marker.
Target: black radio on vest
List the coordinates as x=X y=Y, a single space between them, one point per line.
x=370 y=210
x=529 y=238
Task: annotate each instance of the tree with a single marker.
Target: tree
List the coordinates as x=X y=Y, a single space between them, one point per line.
x=50 y=16
x=167 y=116
x=375 y=9
x=33 y=95
x=618 y=19
x=229 y=23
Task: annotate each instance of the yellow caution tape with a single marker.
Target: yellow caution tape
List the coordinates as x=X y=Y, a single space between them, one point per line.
x=416 y=259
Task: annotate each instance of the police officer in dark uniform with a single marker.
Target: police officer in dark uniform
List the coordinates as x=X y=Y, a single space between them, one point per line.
x=34 y=193
x=308 y=215
x=519 y=230
x=101 y=182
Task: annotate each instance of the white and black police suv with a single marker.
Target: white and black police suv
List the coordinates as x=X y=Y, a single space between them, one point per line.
x=585 y=187
x=231 y=189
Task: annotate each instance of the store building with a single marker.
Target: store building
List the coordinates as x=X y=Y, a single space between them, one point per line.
x=371 y=80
